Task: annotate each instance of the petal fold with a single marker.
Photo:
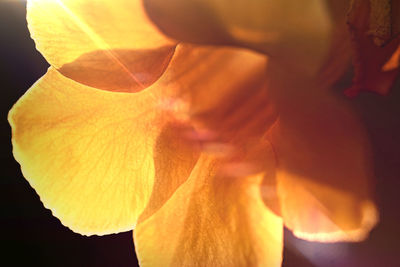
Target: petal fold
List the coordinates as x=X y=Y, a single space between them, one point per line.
x=119 y=70
x=212 y=220
x=96 y=158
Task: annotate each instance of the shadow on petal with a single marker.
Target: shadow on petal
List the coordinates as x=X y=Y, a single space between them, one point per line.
x=119 y=70
x=175 y=155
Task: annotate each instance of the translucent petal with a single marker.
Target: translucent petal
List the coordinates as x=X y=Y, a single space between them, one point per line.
x=212 y=220
x=131 y=71
x=224 y=90
x=324 y=165
x=102 y=39
x=96 y=158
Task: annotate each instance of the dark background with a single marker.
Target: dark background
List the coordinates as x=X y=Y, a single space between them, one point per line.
x=31 y=236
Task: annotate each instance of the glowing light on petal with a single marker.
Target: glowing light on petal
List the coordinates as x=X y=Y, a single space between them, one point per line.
x=102 y=45
x=217 y=221
x=224 y=147
x=393 y=62
x=368 y=221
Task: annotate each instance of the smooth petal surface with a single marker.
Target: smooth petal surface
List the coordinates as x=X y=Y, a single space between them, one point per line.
x=324 y=165
x=291 y=30
x=128 y=71
x=105 y=44
x=96 y=158
x=224 y=90
x=212 y=220
x=338 y=59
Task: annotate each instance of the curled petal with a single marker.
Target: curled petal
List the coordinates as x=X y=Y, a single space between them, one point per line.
x=212 y=220
x=324 y=213
x=106 y=44
x=96 y=158
x=324 y=166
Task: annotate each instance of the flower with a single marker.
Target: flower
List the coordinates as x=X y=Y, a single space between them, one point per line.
x=206 y=134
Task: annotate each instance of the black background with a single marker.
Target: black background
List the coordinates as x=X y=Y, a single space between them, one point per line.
x=31 y=236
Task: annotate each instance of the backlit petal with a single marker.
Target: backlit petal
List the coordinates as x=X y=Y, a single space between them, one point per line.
x=289 y=30
x=212 y=220
x=119 y=70
x=97 y=158
x=224 y=90
x=105 y=44
x=324 y=165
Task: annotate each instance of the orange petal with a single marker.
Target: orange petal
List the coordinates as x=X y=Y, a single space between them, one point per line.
x=338 y=59
x=324 y=165
x=106 y=44
x=174 y=157
x=287 y=30
x=97 y=158
x=224 y=90
x=375 y=27
x=212 y=220
x=394 y=62
x=131 y=71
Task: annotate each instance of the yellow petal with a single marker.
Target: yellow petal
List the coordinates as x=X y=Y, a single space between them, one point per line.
x=131 y=71
x=284 y=29
x=112 y=40
x=95 y=157
x=212 y=220
x=174 y=157
x=324 y=165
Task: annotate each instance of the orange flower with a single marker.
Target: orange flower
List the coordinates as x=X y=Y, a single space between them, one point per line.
x=206 y=142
